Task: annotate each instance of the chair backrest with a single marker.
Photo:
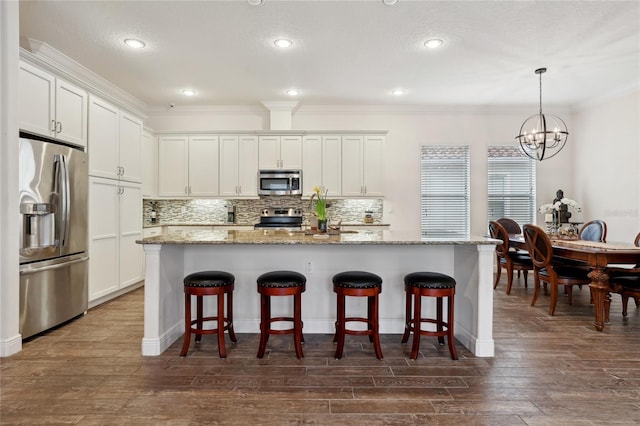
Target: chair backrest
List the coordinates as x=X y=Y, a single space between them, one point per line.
x=637 y=240
x=595 y=230
x=498 y=232
x=539 y=246
x=510 y=225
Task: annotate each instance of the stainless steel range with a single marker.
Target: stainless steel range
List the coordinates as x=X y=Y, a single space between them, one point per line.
x=280 y=218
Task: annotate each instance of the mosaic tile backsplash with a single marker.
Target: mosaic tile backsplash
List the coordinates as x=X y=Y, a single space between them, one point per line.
x=214 y=211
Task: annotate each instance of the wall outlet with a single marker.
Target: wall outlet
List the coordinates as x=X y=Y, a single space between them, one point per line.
x=308 y=267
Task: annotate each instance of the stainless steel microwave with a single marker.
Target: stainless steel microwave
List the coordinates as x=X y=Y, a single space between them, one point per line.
x=280 y=182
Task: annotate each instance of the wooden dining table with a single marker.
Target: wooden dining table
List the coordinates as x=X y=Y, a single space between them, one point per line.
x=599 y=257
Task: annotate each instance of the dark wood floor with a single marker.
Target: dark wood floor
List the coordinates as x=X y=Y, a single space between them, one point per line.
x=547 y=371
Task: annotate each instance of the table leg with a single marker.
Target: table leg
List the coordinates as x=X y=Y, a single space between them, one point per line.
x=600 y=292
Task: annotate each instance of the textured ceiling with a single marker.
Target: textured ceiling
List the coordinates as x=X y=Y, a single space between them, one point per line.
x=349 y=52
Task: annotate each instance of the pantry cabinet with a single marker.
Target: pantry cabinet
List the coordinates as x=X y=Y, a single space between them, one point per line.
x=115 y=223
x=362 y=174
x=51 y=107
x=280 y=152
x=239 y=166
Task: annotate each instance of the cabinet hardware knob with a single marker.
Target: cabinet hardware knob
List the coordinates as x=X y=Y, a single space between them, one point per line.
x=59 y=127
x=53 y=126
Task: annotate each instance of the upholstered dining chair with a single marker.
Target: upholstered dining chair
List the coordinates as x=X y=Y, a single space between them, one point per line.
x=627 y=282
x=541 y=252
x=510 y=225
x=508 y=259
x=595 y=230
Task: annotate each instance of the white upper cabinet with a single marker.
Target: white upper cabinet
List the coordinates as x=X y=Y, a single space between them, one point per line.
x=149 y=165
x=188 y=166
x=362 y=174
x=51 y=107
x=115 y=142
x=280 y=152
x=321 y=161
x=239 y=166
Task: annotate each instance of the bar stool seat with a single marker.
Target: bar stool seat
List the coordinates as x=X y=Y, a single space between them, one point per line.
x=357 y=284
x=281 y=283
x=208 y=283
x=429 y=284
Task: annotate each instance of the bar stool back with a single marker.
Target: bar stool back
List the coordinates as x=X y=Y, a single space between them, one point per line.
x=430 y=284
x=357 y=284
x=208 y=283
x=281 y=283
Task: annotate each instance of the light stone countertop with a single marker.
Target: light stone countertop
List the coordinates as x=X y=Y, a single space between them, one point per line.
x=380 y=237
x=156 y=225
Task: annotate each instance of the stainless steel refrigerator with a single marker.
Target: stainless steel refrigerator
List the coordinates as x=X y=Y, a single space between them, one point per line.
x=53 y=241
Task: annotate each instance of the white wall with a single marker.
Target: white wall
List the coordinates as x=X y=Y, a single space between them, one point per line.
x=409 y=128
x=607 y=164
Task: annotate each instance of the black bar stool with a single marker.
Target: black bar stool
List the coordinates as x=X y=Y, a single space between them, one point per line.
x=358 y=284
x=208 y=283
x=281 y=283
x=430 y=284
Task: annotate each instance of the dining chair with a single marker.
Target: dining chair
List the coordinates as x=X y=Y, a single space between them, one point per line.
x=626 y=281
x=541 y=252
x=508 y=259
x=594 y=230
x=510 y=225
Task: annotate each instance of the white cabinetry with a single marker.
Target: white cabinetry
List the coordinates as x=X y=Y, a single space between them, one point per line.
x=362 y=166
x=149 y=165
x=321 y=164
x=188 y=166
x=115 y=223
x=51 y=107
x=239 y=166
x=115 y=142
x=280 y=152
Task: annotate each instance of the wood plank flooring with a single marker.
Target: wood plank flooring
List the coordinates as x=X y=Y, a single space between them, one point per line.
x=547 y=371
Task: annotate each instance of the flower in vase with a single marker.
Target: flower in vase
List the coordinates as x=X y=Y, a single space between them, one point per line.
x=321 y=202
x=549 y=208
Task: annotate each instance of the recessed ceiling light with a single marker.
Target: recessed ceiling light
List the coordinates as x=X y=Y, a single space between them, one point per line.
x=389 y=2
x=293 y=92
x=433 y=43
x=255 y=2
x=134 y=43
x=188 y=92
x=398 y=92
x=283 y=42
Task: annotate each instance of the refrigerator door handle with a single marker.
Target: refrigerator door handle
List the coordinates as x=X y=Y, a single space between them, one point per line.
x=30 y=269
x=62 y=188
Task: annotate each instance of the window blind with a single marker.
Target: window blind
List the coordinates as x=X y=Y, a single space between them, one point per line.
x=511 y=185
x=444 y=188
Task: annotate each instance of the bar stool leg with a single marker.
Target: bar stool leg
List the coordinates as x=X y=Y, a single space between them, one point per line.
x=199 y=315
x=222 y=350
x=375 y=327
x=297 y=324
x=232 y=334
x=439 y=320
x=340 y=326
x=417 y=314
x=407 y=317
x=264 y=324
x=187 y=325
x=370 y=306
x=452 y=345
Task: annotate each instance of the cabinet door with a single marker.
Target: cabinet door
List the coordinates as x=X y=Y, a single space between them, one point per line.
x=332 y=165
x=71 y=113
x=229 y=166
x=103 y=146
x=372 y=174
x=103 y=237
x=311 y=164
x=291 y=152
x=149 y=165
x=130 y=230
x=130 y=158
x=269 y=152
x=352 y=166
x=172 y=166
x=36 y=100
x=203 y=166
x=248 y=166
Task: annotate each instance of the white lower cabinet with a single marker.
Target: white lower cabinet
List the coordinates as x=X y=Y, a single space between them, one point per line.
x=115 y=223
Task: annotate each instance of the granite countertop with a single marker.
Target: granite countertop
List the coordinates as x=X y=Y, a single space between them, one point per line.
x=380 y=237
x=155 y=225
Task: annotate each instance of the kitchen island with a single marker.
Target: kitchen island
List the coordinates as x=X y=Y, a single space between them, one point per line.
x=247 y=254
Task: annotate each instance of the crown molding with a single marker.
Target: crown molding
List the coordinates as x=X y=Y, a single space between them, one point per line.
x=43 y=55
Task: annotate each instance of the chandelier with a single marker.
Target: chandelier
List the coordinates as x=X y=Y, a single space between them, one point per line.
x=542 y=136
